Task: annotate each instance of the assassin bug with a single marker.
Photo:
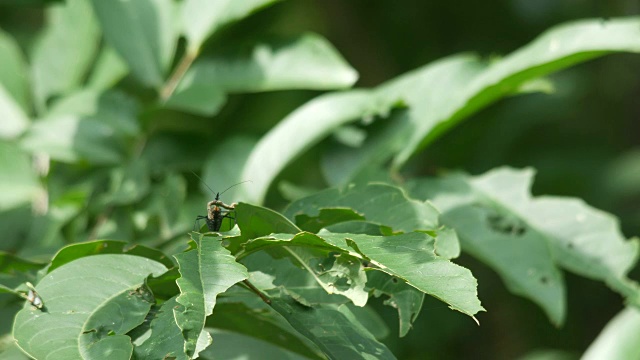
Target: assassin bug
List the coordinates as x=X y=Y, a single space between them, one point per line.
x=215 y=214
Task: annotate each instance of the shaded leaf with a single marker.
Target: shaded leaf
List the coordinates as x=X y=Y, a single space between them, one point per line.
x=86 y=301
x=304 y=62
x=9 y=264
x=235 y=346
x=202 y=18
x=334 y=329
x=401 y=296
x=206 y=271
x=259 y=323
x=163 y=338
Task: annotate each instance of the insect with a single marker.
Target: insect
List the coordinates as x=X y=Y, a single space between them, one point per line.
x=215 y=214
x=33 y=297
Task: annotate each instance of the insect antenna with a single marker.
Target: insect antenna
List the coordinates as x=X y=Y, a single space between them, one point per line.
x=202 y=181
x=241 y=182
x=213 y=192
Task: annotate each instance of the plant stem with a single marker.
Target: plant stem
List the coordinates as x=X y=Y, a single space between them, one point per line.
x=171 y=84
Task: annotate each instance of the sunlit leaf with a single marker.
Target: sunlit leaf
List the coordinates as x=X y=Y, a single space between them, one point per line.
x=619 y=339
x=206 y=271
x=304 y=62
x=89 y=306
x=62 y=55
x=13 y=72
x=76 y=251
x=378 y=203
x=412 y=258
x=525 y=239
x=437 y=106
x=108 y=70
x=14 y=120
x=143 y=32
x=18 y=180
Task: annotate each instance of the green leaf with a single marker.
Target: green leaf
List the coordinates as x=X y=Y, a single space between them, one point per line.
x=401 y=296
x=90 y=304
x=14 y=120
x=128 y=184
x=276 y=270
x=206 y=271
x=163 y=339
x=255 y=221
x=108 y=70
x=333 y=328
x=113 y=108
x=9 y=264
x=73 y=252
x=221 y=168
x=412 y=258
x=465 y=85
x=13 y=72
x=335 y=270
x=70 y=138
x=63 y=54
x=143 y=32
x=302 y=129
x=260 y=323
x=379 y=203
x=234 y=346
x=619 y=339
x=305 y=62
x=526 y=239
x=202 y=18
x=18 y=180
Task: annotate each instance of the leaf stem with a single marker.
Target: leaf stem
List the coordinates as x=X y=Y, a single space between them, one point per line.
x=264 y=297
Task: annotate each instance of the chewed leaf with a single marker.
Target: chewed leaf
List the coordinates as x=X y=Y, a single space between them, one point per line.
x=379 y=203
x=525 y=239
x=206 y=271
x=334 y=329
x=89 y=306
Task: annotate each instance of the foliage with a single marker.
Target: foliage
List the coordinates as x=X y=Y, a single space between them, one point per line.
x=115 y=106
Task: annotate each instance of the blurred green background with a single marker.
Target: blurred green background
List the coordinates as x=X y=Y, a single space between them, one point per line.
x=584 y=139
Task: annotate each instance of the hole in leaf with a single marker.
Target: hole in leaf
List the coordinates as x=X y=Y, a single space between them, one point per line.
x=506 y=225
